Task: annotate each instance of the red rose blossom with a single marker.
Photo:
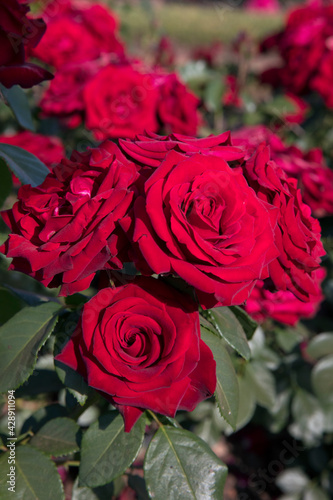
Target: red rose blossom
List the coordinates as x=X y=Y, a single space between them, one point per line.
x=66 y=229
x=315 y=178
x=297 y=234
x=198 y=218
x=64 y=96
x=282 y=306
x=139 y=345
x=120 y=102
x=177 y=107
x=18 y=33
x=305 y=47
x=78 y=34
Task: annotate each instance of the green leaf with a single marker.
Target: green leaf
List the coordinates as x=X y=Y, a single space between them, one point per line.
x=10 y=305
x=230 y=329
x=138 y=484
x=6 y=183
x=26 y=166
x=213 y=95
x=57 y=437
x=322 y=379
x=321 y=345
x=36 y=476
x=74 y=382
x=314 y=492
x=20 y=340
x=309 y=419
x=42 y=416
x=226 y=393
x=247 y=402
x=107 y=450
x=263 y=384
x=184 y=466
x=18 y=102
x=248 y=324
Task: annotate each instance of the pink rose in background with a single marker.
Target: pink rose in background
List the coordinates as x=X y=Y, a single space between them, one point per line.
x=269 y=6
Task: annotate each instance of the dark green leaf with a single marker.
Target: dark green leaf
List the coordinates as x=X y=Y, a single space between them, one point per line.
x=322 y=379
x=26 y=166
x=20 y=340
x=6 y=183
x=10 y=305
x=107 y=450
x=36 y=476
x=42 y=416
x=248 y=324
x=18 y=102
x=314 y=492
x=247 y=402
x=138 y=484
x=230 y=329
x=227 y=386
x=105 y=492
x=213 y=95
x=181 y=464
x=74 y=382
x=321 y=345
x=41 y=381
x=57 y=437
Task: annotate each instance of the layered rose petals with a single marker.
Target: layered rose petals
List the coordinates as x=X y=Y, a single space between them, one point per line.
x=199 y=219
x=140 y=346
x=297 y=234
x=66 y=229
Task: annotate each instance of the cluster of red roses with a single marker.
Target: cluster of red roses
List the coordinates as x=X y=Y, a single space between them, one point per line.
x=305 y=46
x=96 y=80
x=216 y=215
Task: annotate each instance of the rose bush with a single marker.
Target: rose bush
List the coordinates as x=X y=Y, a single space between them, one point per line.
x=66 y=229
x=199 y=219
x=140 y=346
x=19 y=33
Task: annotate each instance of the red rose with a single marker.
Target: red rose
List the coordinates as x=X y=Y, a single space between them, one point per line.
x=177 y=107
x=315 y=178
x=77 y=35
x=140 y=346
x=199 y=219
x=49 y=150
x=65 y=230
x=282 y=306
x=304 y=46
x=322 y=82
x=297 y=234
x=231 y=95
x=120 y=102
x=64 y=97
x=17 y=34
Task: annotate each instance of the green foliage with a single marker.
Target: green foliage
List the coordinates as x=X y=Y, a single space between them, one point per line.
x=183 y=465
x=31 y=468
x=19 y=104
x=103 y=445
x=227 y=394
x=26 y=166
x=20 y=340
x=6 y=182
x=57 y=437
